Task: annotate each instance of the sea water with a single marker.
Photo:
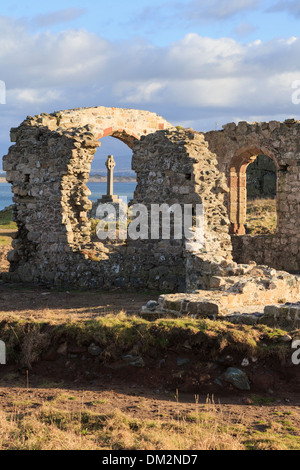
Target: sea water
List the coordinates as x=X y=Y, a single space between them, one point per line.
x=97 y=190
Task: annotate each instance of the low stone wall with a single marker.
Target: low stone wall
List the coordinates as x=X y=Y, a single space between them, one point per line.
x=282 y=315
x=250 y=293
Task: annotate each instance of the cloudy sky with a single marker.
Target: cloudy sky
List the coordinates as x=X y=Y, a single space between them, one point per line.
x=198 y=63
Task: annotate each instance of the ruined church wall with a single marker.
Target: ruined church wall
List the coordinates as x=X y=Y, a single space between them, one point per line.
x=281 y=142
x=48 y=168
x=176 y=166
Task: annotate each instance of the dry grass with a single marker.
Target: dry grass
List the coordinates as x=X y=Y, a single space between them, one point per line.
x=75 y=420
x=208 y=427
x=261 y=216
x=52 y=428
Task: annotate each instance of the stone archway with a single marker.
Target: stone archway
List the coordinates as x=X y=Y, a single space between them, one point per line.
x=238 y=185
x=49 y=166
x=56 y=151
x=125 y=124
x=74 y=190
x=234 y=146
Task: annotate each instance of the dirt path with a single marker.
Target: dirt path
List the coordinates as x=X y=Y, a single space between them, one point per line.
x=266 y=426
x=136 y=401
x=55 y=305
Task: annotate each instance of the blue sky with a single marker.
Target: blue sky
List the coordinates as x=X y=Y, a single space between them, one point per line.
x=197 y=63
x=162 y=22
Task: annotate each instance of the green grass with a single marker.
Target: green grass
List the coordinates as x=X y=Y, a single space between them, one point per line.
x=118 y=335
x=6 y=221
x=256 y=400
x=7 y=227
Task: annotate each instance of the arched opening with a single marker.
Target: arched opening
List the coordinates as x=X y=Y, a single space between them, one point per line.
x=82 y=186
x=248 y=181
x=124 y=176
x=261 y=196
x=122 y=182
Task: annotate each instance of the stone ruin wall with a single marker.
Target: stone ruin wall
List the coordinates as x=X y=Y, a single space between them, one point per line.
x=235 y=147
x=49 y=167
x=176 y=166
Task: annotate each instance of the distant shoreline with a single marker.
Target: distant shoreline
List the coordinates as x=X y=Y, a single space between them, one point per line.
x=99 y=179
x=117 y=179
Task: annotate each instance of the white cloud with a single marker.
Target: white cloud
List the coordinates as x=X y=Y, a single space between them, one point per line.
x=197 y=79
x=219 y=9
x=25 y=96
x=244 y=28
x=292 y=7
x=58 y=17
x=194 y=12
x=139 y=93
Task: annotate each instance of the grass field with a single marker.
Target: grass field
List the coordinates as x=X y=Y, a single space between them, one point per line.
x=66 y=423
x=40 y=410
x=7 y=227
x=261 y=216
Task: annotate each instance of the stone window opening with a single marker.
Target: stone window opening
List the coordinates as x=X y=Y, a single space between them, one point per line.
x=253 y=193
x=261 y=215
x=97 y=188
x=53 y=241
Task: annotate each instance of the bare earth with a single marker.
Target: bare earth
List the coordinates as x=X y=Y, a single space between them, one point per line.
x=4 y=264
x=142 y=393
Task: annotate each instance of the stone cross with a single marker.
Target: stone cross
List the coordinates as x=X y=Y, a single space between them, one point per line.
x=109 y=197
x=110 y=165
